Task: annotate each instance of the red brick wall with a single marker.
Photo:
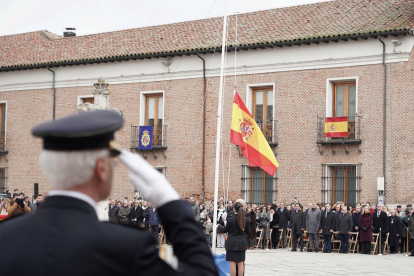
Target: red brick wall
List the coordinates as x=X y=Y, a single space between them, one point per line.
x=299 y=97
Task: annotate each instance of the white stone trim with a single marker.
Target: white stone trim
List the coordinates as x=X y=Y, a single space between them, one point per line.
x=241 y=70
x=80 y=101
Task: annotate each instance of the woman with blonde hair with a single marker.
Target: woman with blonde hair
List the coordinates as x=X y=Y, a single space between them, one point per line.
x=365 y=231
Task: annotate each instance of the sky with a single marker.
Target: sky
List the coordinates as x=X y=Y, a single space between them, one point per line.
x=97 y=16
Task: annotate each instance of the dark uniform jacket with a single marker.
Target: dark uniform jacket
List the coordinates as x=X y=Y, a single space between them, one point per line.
x=237 y=238
x=69 y=240
x=380 y=222
x=328 y=222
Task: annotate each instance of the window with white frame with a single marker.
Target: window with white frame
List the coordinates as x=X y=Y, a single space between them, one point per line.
x=341 y=182
x=152 y=114
x=86 y=99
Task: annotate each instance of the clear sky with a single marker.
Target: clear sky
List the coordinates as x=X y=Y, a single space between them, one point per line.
x=97 y=16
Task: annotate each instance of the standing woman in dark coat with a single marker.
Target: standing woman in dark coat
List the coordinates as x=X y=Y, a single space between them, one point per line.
x=237 y=228
x=274 y=225
x=365 y=230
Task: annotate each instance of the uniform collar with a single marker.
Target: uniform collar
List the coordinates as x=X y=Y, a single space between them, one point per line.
x=74 y=194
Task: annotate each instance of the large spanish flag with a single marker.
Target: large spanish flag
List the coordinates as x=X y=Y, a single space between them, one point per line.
x=246 y=134
x=336 y=127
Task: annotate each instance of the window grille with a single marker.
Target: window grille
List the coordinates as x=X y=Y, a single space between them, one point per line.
x=258 y=187
x=341 y=182
x=3 y=179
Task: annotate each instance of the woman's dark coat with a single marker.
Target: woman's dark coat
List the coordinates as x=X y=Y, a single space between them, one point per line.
x=237 y=238
x=366 y=220
x=252 y=224
x=328 y=222
x=275 y=221
x=394 y=228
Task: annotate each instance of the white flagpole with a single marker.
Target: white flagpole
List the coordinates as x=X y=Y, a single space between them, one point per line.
x=216 y=178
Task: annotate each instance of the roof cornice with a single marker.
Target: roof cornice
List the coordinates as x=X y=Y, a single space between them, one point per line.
x=262 y=45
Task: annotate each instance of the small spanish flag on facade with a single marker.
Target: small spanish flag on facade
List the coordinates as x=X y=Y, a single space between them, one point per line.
x=336 y=127
x=246 y=134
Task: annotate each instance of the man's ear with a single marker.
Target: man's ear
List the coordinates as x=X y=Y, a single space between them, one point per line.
x=101 y=168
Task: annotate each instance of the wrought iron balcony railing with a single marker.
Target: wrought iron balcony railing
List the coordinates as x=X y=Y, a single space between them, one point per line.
x=354 y=132
x=269 y=131
x=158 y=137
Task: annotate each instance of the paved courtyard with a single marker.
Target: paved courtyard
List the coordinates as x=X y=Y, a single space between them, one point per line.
x=284 y=262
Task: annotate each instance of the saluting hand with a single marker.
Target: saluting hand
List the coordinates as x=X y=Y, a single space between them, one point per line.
x=151 y=183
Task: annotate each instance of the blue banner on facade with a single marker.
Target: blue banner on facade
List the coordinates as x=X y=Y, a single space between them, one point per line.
x=145 y=138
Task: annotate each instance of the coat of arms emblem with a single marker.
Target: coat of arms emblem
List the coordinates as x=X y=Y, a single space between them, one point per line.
x=246 y=129
x=332 y=127
x=145 y=139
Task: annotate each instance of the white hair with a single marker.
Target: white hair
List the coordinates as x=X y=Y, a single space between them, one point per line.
x=67 y=169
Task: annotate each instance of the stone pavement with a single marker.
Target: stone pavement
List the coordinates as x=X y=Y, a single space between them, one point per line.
x=284 y=262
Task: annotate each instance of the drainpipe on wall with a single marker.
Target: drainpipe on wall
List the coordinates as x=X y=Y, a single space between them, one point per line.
x=204 y=127
x=54 y=92
x=384 y=112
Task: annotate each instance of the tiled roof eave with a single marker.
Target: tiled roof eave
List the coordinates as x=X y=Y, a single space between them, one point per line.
x=180 y=52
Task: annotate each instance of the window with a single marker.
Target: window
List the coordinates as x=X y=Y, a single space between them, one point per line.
x=3 y=127
x=344 y=104
x=340 y=183
x=3 y=179
x=154 y=114
x=258 y=187
x=263 y=110
x=86 y=99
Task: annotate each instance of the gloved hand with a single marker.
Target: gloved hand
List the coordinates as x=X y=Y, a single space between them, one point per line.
x=152 y=185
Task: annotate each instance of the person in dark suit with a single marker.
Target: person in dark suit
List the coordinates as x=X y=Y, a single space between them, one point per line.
x=380 y=223
x=137 y=214
x=37 y=203
x=394 y=227
x=65 y=232
x=237 y=228
x=344 y=227
x=298 y=225
x=284 y=219
x=355 y=221
x=327 y=225
x=113 y=210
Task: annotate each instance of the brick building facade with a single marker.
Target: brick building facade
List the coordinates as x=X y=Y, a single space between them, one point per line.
x=289 y=89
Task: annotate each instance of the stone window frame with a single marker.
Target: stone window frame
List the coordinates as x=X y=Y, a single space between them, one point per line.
x=80 y=98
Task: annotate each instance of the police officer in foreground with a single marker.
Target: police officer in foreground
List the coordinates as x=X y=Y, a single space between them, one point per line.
x=65 y=236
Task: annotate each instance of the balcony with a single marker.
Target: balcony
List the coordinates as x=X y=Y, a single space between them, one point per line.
x=268 y=129
x=3 y=144
x=354 y=132
x=158 y=137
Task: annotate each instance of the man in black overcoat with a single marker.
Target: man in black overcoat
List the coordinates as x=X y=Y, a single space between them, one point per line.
x=327 y=225
x=137 y=215
x=284 y=219
x=394 y=228
x=113 y=210
x=380 y=222
x=65 y=232
x=298 y=225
